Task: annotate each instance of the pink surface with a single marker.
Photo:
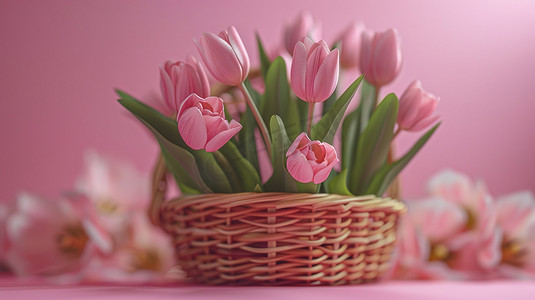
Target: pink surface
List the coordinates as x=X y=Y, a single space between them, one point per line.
x=60 y=61
x=393 y=290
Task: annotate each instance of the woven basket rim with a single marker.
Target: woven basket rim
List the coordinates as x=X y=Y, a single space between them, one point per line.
x=279 y=200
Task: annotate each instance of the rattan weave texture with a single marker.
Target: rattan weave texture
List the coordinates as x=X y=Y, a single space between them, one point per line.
x=282 y=238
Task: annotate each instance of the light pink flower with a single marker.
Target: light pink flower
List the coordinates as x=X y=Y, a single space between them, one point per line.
x=473 y=248
x=115 y=188
x=424 y=235
x=416 y=108
x=516 y=245
x=380 y=57
x=310 y=161
x=303 y=26
x=314 y=73
x=202 y=123
x=350 y=45
x=145 y=256
x=180 y=79
x=225 y=56
x=47 y=238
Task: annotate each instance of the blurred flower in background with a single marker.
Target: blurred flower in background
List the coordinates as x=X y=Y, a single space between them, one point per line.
x=98 y=232
x=462 y=232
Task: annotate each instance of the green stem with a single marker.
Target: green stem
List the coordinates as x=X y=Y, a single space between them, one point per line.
x=261 y=125
x=377 y=89
x=396 y=133
x=311 y=106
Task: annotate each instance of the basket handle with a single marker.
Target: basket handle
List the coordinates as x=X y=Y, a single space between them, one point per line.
x=158 y=189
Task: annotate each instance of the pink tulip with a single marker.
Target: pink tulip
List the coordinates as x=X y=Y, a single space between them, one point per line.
x=46 y=237
x=350 y=44
x=380 y=57
x=224 y=56
x=314 y=72
x=310 y=161
x=180 y=79
x=303 y=26
x=202 y=123
x=416 y=108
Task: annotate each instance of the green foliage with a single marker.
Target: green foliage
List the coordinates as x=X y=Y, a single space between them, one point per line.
x=281 y=180
x=373 y=145
x=388 y=172
x=277 y=100
x=367 y=134
x=326 y=128
x=264 y=59
x=194 y=170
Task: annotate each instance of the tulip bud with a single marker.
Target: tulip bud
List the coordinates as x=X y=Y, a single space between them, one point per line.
x=224 y=56
x=314 y=73
x=350 y=45
x=302 y=27
x=310 y=161
x=202 y=123
x=180 y=79
x=416 y=108
x=380 y=57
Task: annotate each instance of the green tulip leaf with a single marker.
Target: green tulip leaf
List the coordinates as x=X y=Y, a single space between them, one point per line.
x=247 y=175
x=388 y=172
x=326 y=128
x=276 y=100
x=355 y=122
x=166 y=132
x=281 y=180
x=373 y=145
x=337 y=185
x=264 y=59
x=247 y=139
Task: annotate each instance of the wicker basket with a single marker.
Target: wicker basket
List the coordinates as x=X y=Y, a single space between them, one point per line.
x=279 y=238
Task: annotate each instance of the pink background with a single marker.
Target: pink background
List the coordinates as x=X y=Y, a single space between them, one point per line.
x=61 y=60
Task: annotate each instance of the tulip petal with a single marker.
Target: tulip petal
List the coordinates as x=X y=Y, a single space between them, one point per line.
x=424 y=123
x=220 y=59
x=166 y=86
x=240 y=51
x=192 y=128
x=326 y=77
x=184 y=85
x=214 y=125
x=223 y=137
x=298 y=72
x=217 y=105
x=204 y=85
x=190 y=102
x=322 y=174
x=299 y=168
x=387 y=58
x=316 y=56
x=300 y=142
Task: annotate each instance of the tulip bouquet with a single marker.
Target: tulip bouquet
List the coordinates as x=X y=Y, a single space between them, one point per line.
x=283 y=139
